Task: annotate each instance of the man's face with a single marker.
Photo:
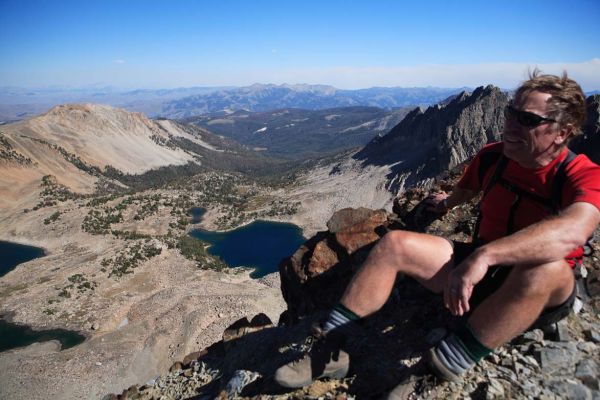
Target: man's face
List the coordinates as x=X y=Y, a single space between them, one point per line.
x=536 y=146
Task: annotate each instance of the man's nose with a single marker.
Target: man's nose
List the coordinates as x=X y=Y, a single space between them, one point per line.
x=511 y=124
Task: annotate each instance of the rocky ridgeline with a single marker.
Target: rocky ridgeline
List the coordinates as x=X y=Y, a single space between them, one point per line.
x=427 y=142
x=589 y=142
x=561 y=361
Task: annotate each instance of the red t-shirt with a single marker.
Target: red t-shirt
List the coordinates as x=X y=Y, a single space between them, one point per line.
x=582 y=184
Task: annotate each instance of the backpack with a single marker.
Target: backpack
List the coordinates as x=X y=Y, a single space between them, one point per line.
x=553 y=203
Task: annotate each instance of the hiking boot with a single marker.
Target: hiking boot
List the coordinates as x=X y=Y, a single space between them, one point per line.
x=325 y=359
x=439 y=369
x=403 y=390
x=416 y=379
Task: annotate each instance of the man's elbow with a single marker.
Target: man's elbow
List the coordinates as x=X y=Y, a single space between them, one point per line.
x=579 y=240
x=581 y=224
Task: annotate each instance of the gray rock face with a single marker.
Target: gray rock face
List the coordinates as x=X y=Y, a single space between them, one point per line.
x=428 y=142
x=587 y=372
x=559 y=358
x=589 y=142
x=571 y=390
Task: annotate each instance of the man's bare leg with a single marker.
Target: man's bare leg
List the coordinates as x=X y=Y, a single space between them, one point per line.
x=426 y=258
x=507 y=312
x=520 y=300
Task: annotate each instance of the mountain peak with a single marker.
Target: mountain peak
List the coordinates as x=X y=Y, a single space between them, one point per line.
x=426 y=143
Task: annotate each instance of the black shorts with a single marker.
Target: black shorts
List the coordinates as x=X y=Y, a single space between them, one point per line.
x=495 y=277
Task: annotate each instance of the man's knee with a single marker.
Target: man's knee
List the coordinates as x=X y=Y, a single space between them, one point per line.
x=547 y=280
x=396 y=243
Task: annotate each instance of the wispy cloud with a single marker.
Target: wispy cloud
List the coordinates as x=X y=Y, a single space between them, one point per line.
x=119 y=61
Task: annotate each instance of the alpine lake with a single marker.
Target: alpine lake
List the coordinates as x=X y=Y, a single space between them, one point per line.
x=13 y=335
x=260 y=245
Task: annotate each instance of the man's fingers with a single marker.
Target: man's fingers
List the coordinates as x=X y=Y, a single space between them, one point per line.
x=455 y=300
x=447 y=297
x=458 y=302
x=464 y=299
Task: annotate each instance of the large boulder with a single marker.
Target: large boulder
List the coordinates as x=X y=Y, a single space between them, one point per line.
x=315 y=276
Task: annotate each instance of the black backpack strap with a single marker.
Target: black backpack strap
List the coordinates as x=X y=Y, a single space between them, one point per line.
x=500 y=167
x=486 y=162
x=553 y=204
x=559 y=181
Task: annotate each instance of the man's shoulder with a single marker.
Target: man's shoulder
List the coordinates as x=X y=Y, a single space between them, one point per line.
x=487 y=157
x=495 y=147
x=581 y=164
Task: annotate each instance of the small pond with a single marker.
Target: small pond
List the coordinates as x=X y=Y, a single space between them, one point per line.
x=260 y=245
x=13 y=254
x=13 y=336
x=196 y=213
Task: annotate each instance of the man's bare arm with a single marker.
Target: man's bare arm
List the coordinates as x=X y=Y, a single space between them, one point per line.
x=546 y=241
x=442 y=202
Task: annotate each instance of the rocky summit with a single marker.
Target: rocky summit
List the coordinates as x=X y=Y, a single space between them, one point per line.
x=560 y=361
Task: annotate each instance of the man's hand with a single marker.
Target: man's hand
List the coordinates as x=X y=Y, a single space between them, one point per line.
x=462 y=280
x=437 y=202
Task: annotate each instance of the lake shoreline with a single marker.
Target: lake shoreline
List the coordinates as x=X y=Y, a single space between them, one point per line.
x=26 y=242
x=208 y=225
x=15 y=254
x=259 y=245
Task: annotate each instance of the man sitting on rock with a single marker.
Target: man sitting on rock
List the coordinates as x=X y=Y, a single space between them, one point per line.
x=540 y=204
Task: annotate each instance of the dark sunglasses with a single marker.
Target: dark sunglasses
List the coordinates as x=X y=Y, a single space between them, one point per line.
x=525 y=118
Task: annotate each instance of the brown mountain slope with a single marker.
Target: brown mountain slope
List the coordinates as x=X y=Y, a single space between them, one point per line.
x=76 y=142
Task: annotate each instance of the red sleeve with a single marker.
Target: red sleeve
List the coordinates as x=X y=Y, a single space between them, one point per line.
x=470 y=178
x=583 y=182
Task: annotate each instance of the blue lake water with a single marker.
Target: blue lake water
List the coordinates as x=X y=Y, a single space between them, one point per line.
x=260 y=245
x=13 y=254
x=13 y=336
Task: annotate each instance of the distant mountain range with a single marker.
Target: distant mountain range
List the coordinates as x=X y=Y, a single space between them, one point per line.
x=297 y=134
x=20 y=103
x=260 y=97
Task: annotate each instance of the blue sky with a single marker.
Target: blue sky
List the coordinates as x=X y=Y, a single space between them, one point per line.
x=348 y=44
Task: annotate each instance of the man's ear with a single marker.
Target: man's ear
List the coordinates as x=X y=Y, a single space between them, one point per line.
x=564 y=134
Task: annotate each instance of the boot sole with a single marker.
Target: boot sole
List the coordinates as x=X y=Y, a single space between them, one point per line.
x=439 y=369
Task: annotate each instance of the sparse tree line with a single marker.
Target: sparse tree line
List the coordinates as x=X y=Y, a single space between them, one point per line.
x=239 y=196
x=53 y=193
x=76 y=285
x=7 y=153
x=70 y=157
x=130 y=257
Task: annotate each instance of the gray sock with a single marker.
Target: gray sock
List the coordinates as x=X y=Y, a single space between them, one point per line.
x=453 y=354
x=340 y=318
